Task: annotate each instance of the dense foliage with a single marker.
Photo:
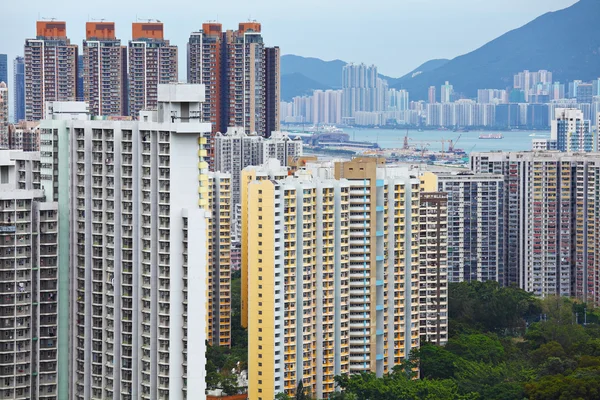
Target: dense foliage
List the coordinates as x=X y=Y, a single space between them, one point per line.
x=504 y=345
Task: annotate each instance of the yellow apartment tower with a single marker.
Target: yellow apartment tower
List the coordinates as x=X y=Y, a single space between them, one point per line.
x=331 y=272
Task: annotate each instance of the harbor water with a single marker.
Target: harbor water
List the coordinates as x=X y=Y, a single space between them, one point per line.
x=432 y=139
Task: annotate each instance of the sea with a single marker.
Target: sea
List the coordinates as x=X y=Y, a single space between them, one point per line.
x=468 y=141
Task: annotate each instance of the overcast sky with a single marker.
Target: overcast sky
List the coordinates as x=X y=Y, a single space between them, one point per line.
x=395 y=35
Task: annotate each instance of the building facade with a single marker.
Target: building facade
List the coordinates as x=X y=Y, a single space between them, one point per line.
x=550 y=220
x=236 y=150
x=19 y=88
x=104 y=70
x=50 y=68
x=28 y=245
x=241 y=76
x=4 y=68
x=138 y=270
x=152 y=61
x=4 y=118
x=572 y=132
x=339 y=245
x=475 y=224
x=219 y=259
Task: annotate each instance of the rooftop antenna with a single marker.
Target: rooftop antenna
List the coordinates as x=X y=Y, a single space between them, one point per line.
x=49 y=18
x=98 y=19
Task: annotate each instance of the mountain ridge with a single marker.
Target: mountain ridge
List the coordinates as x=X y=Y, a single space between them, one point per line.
x=565 y=42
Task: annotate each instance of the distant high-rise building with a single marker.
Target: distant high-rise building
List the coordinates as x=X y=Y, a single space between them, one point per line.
x=596 y=87
x=104 y=70
x=446 y=93
x=241 y=75
x=19 y=88
x=326 y=107
x=551 y=220
x=80 y=70
x=528 y=82
x=431 y=95
x=138 y=268
x=152 y=61
x=50 y=68
x=573 y=88
x=4 y=119
x=235 y=150
x=362 y=89
x=272 y=90
x=571 y=131
x=585 y=93
x=4 y=69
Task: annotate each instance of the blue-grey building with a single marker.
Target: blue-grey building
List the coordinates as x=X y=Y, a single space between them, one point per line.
x=4 y=69
x=19 y=88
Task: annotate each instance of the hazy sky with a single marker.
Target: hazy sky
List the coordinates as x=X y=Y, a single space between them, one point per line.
x=395 y=35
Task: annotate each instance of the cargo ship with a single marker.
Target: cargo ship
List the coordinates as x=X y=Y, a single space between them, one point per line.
x=491 y=136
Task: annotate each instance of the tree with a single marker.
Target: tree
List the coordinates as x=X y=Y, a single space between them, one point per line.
x=282 y=396
x=300 y=394
x=435 y=362
x=229 y=384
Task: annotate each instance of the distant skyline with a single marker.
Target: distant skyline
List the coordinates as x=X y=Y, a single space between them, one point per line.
x=395 y=35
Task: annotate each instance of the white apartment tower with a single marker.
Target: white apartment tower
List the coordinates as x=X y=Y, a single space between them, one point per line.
x=571 y=131
x=137 y=266
x=236 y=150
x=28 y=270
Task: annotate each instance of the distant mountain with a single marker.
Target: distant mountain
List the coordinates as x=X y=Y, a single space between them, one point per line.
x=297 y=84
x=327 y=73
x=566 y=42
x=299 y=73
x=425 y=67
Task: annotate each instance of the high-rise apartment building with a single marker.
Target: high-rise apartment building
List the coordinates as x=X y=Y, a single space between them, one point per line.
x=24 y=136
x=431 y=95
x=152 y=61
x=80 y=84
x=433 y=271
x=4 y=119
x=4 y=68
x=331 y=272
x=19 y=88
x=219 y=259
x=136 y=208
x=475 y=224
x=241 y=77
x=571 y=131
x=29 y=302
x=551 y=220
x=235 y=150
x=104 y=70
x=585 y=93
x=446 y=92
x=50 y=68
x=362 y=90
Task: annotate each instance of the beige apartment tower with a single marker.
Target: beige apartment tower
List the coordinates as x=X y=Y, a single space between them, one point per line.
x=104 y=70
x=152 y=61
x=50 y=68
